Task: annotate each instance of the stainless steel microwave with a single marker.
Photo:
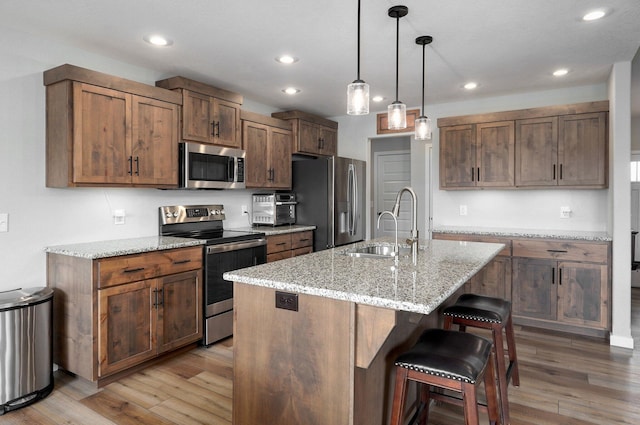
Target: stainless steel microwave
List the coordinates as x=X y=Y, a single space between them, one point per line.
x=211 y=167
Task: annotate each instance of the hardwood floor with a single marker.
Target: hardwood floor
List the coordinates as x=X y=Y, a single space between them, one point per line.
x=565 y=379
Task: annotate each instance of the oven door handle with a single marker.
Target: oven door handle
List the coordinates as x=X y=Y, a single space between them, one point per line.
x=235 y=246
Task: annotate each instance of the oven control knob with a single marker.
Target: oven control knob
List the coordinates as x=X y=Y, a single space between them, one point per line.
x=175 y=214
x=216 y=212
x=169 y=215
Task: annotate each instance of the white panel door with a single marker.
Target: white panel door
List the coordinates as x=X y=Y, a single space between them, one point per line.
x=392 y=173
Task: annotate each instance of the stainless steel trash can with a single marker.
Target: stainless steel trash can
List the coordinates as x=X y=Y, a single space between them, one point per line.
x=26 y=362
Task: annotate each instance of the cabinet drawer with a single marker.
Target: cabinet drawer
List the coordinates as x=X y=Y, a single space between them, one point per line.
x=302 y=251
x=278 y=243
x=561 y=250
x=301 y=239
x=505 y=252
x=130 y=268
x=279 y=256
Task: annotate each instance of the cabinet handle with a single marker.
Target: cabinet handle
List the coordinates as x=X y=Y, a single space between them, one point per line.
x=562 y=251
x=559 y=276
x=130 y=172
x=319 y=142
x=473 y=173
x=181 y=262
x=139 y=269
x=304 y=240
x=137 y=160
x=213 y=129
x=478 y=174
x=218 y=129
x=554 y=171
x=560 y=171
x=281 y=243
x=553 y=275
x=160 y=296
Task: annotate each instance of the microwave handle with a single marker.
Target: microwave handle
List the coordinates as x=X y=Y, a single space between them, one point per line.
x=231 y=169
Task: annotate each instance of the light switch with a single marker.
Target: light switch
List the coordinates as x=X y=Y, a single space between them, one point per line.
x=463 y=210
x=565 y=212
x=4 y=222
x=118 y=216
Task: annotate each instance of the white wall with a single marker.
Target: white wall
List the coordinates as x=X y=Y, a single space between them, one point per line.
x=635 y=133
x=40 y=216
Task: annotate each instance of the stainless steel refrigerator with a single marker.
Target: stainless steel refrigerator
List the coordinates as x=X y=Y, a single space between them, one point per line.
x=331 y=195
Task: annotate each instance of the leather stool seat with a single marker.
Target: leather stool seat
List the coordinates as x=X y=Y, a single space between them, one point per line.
x=448 y=360
x=453 y=355
x=480 y=308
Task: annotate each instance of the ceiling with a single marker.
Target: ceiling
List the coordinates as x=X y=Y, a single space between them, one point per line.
x=506 y=46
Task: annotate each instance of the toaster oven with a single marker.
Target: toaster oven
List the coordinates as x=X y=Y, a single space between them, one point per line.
x=274 y=209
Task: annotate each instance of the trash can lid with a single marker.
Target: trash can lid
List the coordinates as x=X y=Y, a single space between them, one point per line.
x=24 y=296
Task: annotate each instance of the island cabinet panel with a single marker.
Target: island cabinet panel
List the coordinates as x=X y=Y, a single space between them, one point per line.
x=291 y=367
x=115 y=313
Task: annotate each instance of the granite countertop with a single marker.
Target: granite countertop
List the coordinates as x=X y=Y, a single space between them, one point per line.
x=114 y=248
x=526 y=233
x=441 y=268
x=276 y=230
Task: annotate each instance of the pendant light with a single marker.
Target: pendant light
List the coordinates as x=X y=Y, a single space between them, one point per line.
x=397 y=111
x=358 y=91
x=423 y=123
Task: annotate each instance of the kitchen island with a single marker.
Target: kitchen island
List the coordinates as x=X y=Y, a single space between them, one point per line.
x=315 y=336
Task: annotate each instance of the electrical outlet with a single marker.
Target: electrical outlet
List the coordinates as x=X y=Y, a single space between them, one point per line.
x=245 y=210
x=463 y=210
x=118 y=216
x=4 y=222
x=565 y=212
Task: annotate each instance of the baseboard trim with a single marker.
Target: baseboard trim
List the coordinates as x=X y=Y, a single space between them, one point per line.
x=621 y=341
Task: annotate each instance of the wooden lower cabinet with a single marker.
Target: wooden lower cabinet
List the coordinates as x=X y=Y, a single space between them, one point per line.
x=554 y=284
x=157 y=310
x=289 y=245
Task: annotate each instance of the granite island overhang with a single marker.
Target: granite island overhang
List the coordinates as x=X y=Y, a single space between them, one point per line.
x=328 y=358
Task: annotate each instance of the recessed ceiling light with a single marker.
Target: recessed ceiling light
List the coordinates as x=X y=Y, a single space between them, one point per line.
x=286 y=59
x=377 y=98
x=291 y=90
x=157 y=40
x=560 y=72
x=594 y=15
x=471 y=85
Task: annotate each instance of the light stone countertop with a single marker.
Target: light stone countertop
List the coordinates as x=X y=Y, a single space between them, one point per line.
x=114 y=248
x=276 y=230
x=525 y=233
x=441 y=268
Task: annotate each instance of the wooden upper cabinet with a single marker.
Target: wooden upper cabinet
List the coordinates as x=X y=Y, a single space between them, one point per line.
x=537 y=152
x=115 y=132
x=557 y=146
x=209 y=114
x=267 y=142
x=457 y=156
x=312 y=135
x=477 y=155
x=582 y=150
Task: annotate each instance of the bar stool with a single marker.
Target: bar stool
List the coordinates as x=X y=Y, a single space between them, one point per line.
x=490 y=313
x=448 y=360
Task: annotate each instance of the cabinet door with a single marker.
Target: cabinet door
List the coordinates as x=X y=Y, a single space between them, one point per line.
x=537 y=152
x=179 y=310
x=582 y=294
x=329 y=141
x=495 y=154
x=256 y=146
x=101 y=135
x=226 y=123
x=127 y=323
x=457 y=156
x=494 y=280
x=154 y=152
x=197 y=117
x=280 y=158
x=308 y=137
x=582 y=150
x=534 y=289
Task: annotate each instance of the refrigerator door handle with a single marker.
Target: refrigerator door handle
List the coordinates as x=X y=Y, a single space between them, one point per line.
x=351 y=198
x=355 y=201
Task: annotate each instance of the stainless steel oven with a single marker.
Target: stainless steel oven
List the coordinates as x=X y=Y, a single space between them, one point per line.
x=225 y=250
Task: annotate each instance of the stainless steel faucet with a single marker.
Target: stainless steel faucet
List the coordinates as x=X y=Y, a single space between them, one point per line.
x=396 y=248
x=414 y=206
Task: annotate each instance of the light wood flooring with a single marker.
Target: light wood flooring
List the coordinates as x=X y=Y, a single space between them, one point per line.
x=567 y=380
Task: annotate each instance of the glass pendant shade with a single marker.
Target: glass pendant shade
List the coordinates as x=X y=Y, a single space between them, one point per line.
x=358 y=98
x=397 y=116
x=423 y=128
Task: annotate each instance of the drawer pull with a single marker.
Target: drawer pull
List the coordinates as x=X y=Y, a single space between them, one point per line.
x=561 y=251
x=139 y=269
x=304 y=240
x=181 y=262
x=281 y=243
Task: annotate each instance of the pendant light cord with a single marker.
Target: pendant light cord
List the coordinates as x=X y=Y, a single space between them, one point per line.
x=397 y=51
x=358 y=40
x=423 y=67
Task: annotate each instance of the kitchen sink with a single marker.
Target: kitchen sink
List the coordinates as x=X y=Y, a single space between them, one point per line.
x=372 y=251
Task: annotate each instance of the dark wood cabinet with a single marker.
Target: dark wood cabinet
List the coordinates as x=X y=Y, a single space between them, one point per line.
x=209 y=114
x=267 y=142
x=289 y=245
x=477 y=155
x=115 y=313
x=534 y=291
x=312 y=135
x=550 y=147
x=98 y=136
